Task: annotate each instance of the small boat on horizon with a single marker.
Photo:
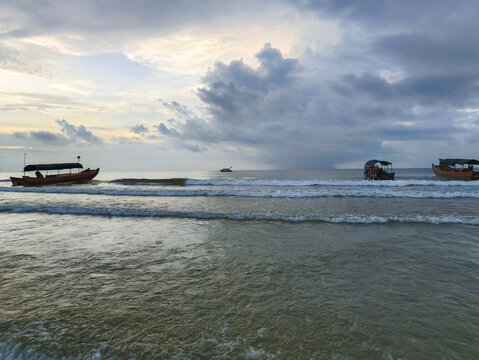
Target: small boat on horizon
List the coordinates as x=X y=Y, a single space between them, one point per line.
x=227 y=169
x=378 y=170
x=448 y=170
x=56 y=179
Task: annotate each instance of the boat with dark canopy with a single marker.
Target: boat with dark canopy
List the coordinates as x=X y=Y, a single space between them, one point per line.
x=448 y=169
x=378 y=170
x=55 y=179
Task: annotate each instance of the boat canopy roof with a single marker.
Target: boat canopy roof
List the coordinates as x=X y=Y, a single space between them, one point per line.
x=374 y=162
x=53 y=166
x=452 y=162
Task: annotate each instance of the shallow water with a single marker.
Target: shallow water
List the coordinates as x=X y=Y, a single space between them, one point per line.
x=245 y=265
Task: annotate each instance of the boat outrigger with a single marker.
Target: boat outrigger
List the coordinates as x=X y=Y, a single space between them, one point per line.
x=55 y=179
x=378 y=170
x=448 y=170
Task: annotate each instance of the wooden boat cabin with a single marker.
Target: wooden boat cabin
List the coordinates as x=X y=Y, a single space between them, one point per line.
x=378 y=170
x=54 y=179
x=456 y=169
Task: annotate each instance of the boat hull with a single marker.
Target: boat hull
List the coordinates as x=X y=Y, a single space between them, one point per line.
x=60 y=179
x=448 y=173
x=388 y=176
x=378 y=175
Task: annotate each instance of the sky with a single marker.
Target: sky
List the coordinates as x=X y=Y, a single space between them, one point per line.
x=200 y=85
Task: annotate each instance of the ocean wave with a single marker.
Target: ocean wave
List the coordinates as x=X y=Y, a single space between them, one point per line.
x=343 y=183
x=348 y=219
x=150 y=182
x=286 y=183
x=294 y=193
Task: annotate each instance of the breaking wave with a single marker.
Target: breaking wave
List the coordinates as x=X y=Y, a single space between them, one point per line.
x=348 y=219
x=268 y=192
x=302 y=183
x=150 y=182
x=289 y=183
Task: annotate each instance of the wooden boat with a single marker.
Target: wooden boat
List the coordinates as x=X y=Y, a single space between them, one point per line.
x=57 y=179
x=448 y=169
x=378 y=170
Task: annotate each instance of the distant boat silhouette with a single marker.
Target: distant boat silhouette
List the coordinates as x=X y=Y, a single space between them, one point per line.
x=227 y=169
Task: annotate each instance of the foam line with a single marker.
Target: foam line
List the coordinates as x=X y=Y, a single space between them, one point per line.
x=348 y=219
x=251 y=192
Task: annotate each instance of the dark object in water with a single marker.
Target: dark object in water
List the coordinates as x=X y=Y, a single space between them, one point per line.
x=378 y=170
x=447 y=170
x=57 y=179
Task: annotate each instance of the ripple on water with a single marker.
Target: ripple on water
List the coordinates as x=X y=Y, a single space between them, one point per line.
x=77 y=287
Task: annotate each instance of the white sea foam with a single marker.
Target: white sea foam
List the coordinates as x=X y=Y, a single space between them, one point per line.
x=258 y=192
x=395 y=183
x=348 y=219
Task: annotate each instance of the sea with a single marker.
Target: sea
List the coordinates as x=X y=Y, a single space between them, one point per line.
x=275 y=264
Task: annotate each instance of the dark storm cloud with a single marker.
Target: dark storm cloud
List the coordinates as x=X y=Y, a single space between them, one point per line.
x=238 y=93
x=295 y=118
x=434 y=43
x=456 y=89
x=392 y=14
x=268 y=108
x=417 y=49
x=397 y=132
x=372 y=84
x=79 y=132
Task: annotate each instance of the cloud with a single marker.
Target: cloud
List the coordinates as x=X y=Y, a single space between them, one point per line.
x=45 y=137
x=391 y=14
x=164 y=130
x=139 y=129
x=264 y=108
x=69 y=134
x=179 y=109
x=20 y=60
x=396 y=73
x=123 y=16
x=78 y=132
x=291 y=116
